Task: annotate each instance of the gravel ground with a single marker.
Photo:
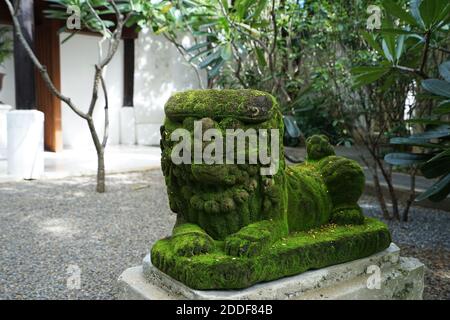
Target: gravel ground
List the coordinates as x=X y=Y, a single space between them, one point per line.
x=48 y=226
x=425 y=237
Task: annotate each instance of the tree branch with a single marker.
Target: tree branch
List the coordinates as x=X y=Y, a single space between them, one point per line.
x=181 y=50
x=41 y=68
x=417 y=72
x=106 y=128
x=94 y=97
x=425 y=51
x=444 y=50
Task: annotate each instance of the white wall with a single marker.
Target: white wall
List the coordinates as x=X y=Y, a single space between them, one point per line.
x=159 y=72
x=78 y=57
x=7 y=94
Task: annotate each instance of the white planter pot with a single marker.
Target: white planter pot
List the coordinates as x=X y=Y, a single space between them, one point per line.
x=25 y=144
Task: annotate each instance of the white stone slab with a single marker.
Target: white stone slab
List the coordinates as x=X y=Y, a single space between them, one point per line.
x=398 y=278
x=25 y=144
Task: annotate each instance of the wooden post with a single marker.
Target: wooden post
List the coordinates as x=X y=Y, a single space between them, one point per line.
x=23 y=66
x=48 y=52
x=128 y=67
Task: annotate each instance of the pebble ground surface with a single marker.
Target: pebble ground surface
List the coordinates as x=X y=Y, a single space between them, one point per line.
x=51 y=231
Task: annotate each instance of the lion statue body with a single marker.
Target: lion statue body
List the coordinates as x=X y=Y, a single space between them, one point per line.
x=236 y=227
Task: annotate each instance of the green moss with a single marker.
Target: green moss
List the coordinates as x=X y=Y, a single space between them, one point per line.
x=308 y=198
x=246 y=105
x=347 y=216
x=299 y=252
x=318 y=147
x=344 y=179
x=235 y=227
x=255 y=238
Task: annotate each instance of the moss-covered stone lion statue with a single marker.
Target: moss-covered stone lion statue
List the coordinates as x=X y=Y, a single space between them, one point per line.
x=236 y=227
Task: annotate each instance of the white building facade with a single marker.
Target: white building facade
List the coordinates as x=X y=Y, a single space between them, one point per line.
x=159 y=71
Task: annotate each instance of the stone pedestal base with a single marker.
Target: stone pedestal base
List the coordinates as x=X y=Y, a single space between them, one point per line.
x=25 y=144
x=384 y=275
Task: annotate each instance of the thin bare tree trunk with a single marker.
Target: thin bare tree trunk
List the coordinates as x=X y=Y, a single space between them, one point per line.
x=378 y=190
x=412 y=196
x=380 y=196
x=101 y=186
x=388 y=178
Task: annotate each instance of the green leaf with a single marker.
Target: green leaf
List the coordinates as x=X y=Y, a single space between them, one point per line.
x=199 y=54
x=397 y=32
x=398 y=12
x=225 y=4
x=387 y=50
x=428 y=12
x=399 y=47
x=198 y=46
x=405 y=159
x=443 y=108
x=305 y=109
x=445 y=153
x=253 y=31
x=262 y=4
x=291 y=128
x=428 y=121
x=166 y=7
x=216 y=69
x=429 y=96
x=371 y=40
x=438 y=87
x=370 y=76
x=441 y=195
x=389 y=40
x=444 y=70
x=261 y=58
x=415 y=12
x=435 y=168
x=242 y=7
x=227 y=52
x=437 y=133
x=444 y=17
x=439 y=190
x=210 y=59
x=413 y=142
x=208 y=25
x=370 y=69
x=434 y=12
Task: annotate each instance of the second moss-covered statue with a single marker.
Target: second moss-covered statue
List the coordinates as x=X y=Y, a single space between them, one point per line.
x=236 y=227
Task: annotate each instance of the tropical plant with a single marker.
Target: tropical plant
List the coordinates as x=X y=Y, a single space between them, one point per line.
x=434 y=160
x=406 y=42
x=237 y=43
x=412 y=43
